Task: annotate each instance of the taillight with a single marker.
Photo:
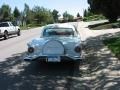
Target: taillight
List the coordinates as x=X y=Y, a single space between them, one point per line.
x=30 y=49
x=77 y=49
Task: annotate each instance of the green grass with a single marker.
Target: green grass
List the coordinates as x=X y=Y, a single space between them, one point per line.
x=114 y=45
x=105 y=25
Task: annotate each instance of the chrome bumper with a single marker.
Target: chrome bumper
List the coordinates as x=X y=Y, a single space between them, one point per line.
x=45 y=57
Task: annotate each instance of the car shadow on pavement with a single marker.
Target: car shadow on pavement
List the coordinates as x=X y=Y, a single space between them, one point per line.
x=16 y=74
x=2 y=39
x=101 y=69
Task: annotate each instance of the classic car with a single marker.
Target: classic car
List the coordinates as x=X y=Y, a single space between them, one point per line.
x=57 y=42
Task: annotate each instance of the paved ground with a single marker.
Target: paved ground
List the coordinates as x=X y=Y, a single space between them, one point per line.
x=99 y=71
x=16 y=44
x=16 y=74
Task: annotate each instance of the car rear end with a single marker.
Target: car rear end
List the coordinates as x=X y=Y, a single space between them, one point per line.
x=57 y=45
x=55 y=50
x=1 y=32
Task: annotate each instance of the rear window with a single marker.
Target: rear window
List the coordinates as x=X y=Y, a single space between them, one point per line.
x=58 y=32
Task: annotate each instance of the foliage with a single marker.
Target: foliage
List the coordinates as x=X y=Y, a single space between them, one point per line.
x=94 y=17
x=114 y=45
x=5 y=13
x=55 y=14
x=26 y=10
x=78 y=15
x=36 y=16
x=88 y=13
x=67 y=16
x=42 y=15
x=85 y=13
x=90 y=16
x=109 y=8
x=27 y=14
x=16 y=12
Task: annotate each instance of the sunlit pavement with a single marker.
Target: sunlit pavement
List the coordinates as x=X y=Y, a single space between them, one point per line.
x=99 y=71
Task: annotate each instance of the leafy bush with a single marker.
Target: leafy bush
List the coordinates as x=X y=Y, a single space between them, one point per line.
x=114 y=45
x=94 y=18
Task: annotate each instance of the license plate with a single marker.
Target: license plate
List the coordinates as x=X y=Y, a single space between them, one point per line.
x=53 y=59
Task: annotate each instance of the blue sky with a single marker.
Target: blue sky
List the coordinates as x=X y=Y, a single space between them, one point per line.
x=72 y=6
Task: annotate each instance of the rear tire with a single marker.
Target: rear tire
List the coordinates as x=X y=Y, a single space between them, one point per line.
x=18 y=33
x=5 y=35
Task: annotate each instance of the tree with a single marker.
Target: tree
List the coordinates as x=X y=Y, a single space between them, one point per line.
x=78 y=15
x=109 y=8
x=16 y=13
x=70 y=18
x=85 y=13
x=42 y=15
x=5 y=13
x=22 y=17
x=26 y=10
x=26 y=13
x=67 y=16
x=55 y=14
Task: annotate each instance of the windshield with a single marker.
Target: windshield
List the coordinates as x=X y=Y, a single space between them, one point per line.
x=58 y=32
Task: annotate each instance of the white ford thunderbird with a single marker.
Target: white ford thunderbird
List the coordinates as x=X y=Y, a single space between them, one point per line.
x=57 y=42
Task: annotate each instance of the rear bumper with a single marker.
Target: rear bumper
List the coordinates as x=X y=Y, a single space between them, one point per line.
x=45 y=58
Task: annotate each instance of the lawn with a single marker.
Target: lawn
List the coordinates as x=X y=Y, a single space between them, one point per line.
x=106 y=25
x=114 y=45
